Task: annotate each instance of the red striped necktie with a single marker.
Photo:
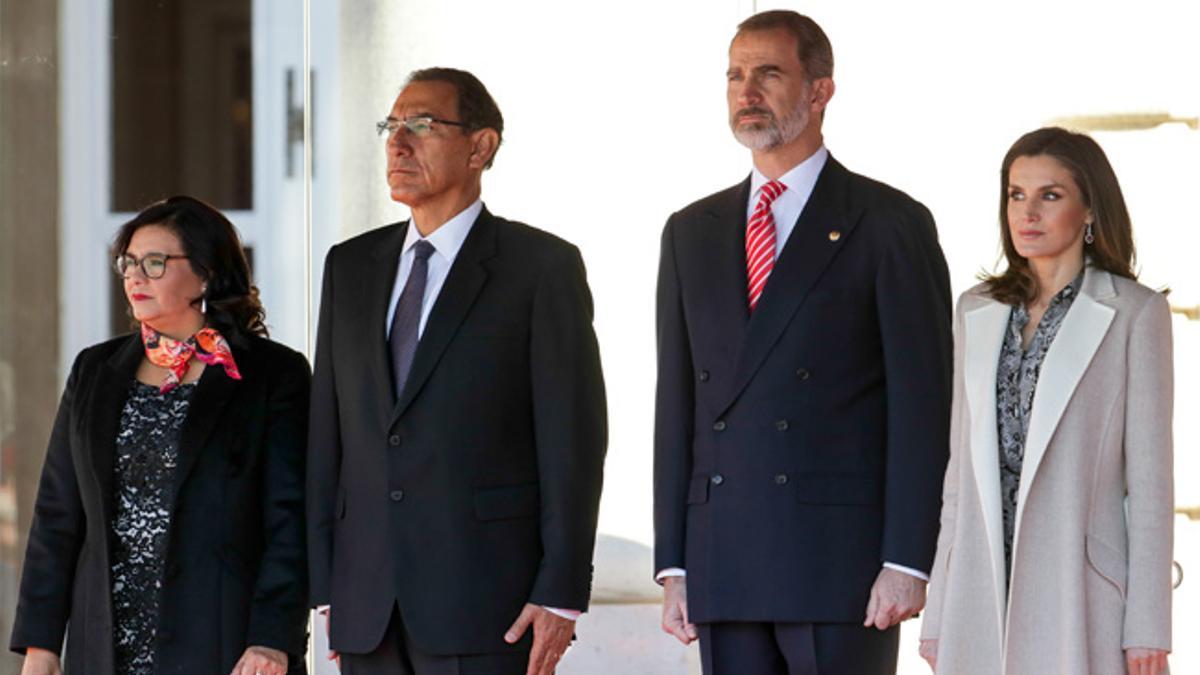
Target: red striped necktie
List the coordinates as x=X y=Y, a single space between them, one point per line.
x=760 y=241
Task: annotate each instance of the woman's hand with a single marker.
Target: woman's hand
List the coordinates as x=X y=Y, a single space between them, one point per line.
x=41 y=662
x=928 y=651
x=1145 y=661
x=261 y=661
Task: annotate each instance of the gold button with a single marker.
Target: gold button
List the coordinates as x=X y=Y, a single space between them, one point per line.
x=834 y=235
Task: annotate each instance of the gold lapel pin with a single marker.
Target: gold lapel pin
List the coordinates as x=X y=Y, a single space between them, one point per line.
x=834 y=235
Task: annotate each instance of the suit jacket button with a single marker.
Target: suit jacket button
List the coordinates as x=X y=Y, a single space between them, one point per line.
x=719 y=426
x=802 y=374
x=396 y=495
x=394 y=440
x=704 y=376
x=781 y=479
x=717 y=479
x=782 y=425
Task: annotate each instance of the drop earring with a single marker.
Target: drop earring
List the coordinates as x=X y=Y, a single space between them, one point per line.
x=1087 y=235
x=204 y=298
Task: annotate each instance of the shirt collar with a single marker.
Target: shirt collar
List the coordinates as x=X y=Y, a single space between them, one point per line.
x=799 y=180
x=448 y=238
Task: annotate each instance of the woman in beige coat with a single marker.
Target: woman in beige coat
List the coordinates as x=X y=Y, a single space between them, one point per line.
x=1055 y=548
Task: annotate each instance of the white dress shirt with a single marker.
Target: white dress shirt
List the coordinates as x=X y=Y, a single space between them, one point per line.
x=786 y=209
x=446 y=241
x=800 y=181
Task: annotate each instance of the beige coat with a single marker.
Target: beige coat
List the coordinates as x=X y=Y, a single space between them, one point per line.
x=1091 y=569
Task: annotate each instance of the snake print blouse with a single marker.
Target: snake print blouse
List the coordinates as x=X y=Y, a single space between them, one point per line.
x=1016 y=383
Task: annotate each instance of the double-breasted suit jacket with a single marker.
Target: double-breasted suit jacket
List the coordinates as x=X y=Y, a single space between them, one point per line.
x=800 y=447
x=1091 y=559
x=234 y=573
x=476 y=489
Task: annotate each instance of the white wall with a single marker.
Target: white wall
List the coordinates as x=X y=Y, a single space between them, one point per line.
x=615 y=117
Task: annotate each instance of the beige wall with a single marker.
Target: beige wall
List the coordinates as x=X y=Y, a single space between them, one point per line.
x=28 y=275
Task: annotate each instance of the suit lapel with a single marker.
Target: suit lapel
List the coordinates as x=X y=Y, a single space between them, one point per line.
x=212 y=394
x=805 y=256
x=463 y=283
x=107 y=402
x=984 y=329
x=378 y=295
x=1078 y=338
x=723 y=262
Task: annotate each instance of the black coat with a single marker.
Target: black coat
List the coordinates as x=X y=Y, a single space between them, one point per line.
x=234 y=571
x=798 y=448
x=478 y=489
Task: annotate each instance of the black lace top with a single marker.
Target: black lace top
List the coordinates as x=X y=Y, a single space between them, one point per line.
x=147 y=446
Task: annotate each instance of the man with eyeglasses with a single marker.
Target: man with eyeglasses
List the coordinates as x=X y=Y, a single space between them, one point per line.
x=458 y=423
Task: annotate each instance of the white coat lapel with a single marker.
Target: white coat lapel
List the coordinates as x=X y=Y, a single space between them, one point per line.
x=984 y=329
x=1078 y=338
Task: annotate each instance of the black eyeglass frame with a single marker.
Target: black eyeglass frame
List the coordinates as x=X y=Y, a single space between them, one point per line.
x=131 y=260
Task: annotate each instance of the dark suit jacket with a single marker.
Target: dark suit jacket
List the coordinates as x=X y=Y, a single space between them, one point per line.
x=477 y=490
x=234 y=569
x=799 y=448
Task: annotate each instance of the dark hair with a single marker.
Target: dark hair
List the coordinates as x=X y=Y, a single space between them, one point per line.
x=215 y=254
x=1112 y=250
x=815 y=52
x=476 y=107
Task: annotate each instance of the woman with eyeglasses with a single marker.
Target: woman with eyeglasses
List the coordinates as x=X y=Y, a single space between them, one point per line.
x=1054 y=554
x=168 y=531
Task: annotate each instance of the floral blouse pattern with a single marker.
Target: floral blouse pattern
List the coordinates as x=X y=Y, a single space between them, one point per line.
x=146 y=453
x=1016 y=383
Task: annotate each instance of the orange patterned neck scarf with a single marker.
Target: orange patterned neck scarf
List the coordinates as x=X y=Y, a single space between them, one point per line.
x=175 y=355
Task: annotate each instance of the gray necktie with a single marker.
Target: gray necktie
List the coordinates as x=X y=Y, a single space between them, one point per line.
x=402 y=341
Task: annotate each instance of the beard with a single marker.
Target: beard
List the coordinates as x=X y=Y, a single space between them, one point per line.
x=772 y=133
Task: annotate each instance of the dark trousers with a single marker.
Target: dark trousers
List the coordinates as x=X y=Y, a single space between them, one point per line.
x=397 y=655
x=755 y=648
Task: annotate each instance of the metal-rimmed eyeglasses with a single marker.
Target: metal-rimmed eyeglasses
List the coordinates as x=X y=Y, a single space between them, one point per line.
x=419 y=127
x=154 y=265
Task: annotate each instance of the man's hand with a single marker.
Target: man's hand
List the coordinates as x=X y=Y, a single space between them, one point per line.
x=261 y=661
x=1145 y=661
x=896 y=596
x=332 y=655
x=928 y=651
x=675 y=612
x=551 y=637
x=41 y=662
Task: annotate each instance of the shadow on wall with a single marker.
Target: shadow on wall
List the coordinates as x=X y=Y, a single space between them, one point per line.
x=624 y=572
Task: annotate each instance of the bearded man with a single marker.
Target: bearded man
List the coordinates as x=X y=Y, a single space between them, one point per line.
x=804 y=368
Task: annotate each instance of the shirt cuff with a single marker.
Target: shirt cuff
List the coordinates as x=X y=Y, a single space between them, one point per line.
x=572 y=614
x=323 y=610
x=669 y=572
x=907 y=570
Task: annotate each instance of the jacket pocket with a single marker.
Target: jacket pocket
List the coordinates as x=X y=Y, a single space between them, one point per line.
x=1108 y=562
x=698 y=490
x=843 y=487
x=507 y=501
